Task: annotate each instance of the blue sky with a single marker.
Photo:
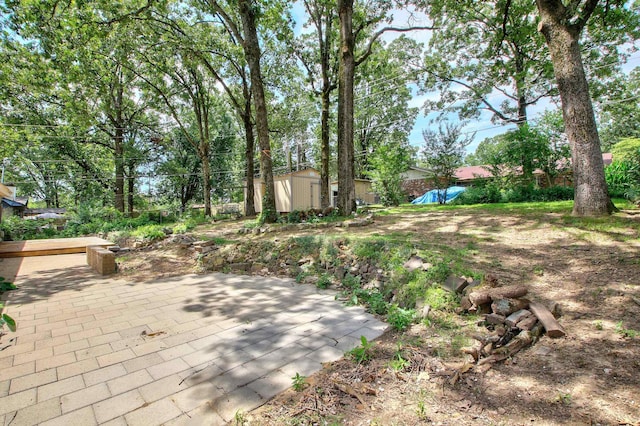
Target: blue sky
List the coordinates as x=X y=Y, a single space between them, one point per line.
x=483 y=127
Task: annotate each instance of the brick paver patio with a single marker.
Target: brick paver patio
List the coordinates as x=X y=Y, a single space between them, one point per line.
x=187 y=350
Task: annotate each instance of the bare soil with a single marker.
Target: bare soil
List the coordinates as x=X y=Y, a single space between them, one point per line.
x=592 y=376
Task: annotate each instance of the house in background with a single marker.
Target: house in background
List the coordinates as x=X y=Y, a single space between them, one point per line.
x=10 y=205
x=414 y=182
x=294 y=191
x=470 y=175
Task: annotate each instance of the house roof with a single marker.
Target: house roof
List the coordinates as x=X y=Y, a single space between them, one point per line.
x=479 y=172
x=472 y=172
x=44 y=210
x=295 y=173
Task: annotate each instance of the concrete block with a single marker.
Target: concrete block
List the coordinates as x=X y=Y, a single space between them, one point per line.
x=105 y=262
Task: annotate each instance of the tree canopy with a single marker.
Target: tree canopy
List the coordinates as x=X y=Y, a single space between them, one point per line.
x=190 y=101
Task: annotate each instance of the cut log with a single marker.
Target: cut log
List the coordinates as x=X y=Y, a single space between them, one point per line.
x=527 y=323
x=486 y=295
x=508 y=306
x=521 y=341
x=553 y=327
x=516 y=317
x=494 y=319
x=465 y=303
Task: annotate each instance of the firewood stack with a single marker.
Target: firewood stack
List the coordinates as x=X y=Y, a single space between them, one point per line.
x=514 y=322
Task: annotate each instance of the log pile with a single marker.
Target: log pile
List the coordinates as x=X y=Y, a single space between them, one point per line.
x=513 y=322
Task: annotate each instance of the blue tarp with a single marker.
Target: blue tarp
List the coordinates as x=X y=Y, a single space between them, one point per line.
x=432 y=196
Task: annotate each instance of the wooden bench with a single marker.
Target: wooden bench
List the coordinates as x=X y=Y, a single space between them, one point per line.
x=101 y=260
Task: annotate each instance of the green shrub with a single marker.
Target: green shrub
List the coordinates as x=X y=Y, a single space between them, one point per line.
x=400 y=318
x=373 y=299
x=351 y=282
x=619 y=176
x=363 y=353
x=294 y=217
x=180 y=228
x=480 y=195
x=149 y=232
x=556 y=193
x=324 y=281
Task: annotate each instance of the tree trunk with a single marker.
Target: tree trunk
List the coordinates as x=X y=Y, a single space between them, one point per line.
x=131 y=185
x=118 y=157
x=206 y=184
x=325 y=196
x=252 y=53
x=591 y=197
x=249 y=202
x=346 y=185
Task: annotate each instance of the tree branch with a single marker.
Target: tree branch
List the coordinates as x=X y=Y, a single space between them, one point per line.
x=227 y=19
x=481 y=98
x=377 y=35
x=587 y=11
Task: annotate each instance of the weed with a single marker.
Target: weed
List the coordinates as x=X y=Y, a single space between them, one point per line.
x=564 y=398
x=6 y=320
x=328 y=254
x=363 y=353
x=399 y=363
x=239 y=418
x=308 y=244
x=6 y=285
x=370 y=249
x=299 y=382
x=400 y=318
x=538 y=270
x=351 y=282
x=301 y=276
x=421 y=411
x=372 y=298
x=626 y=332
x=598 y=325
x=324 y=281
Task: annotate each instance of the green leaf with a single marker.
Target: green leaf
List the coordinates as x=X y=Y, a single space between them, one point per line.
x=9 y=321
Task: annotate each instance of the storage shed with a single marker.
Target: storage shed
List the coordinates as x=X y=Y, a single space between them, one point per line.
x=364 y=192
x=294 y=191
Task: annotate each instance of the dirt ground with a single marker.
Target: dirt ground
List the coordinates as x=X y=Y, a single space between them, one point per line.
x=591 y=376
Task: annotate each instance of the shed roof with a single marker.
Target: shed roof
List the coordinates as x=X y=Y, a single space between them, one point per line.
x=12 y=203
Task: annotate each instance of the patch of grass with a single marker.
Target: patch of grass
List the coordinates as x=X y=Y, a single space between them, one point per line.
x=438 y=298
x=626 y=332
x=399 y=318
